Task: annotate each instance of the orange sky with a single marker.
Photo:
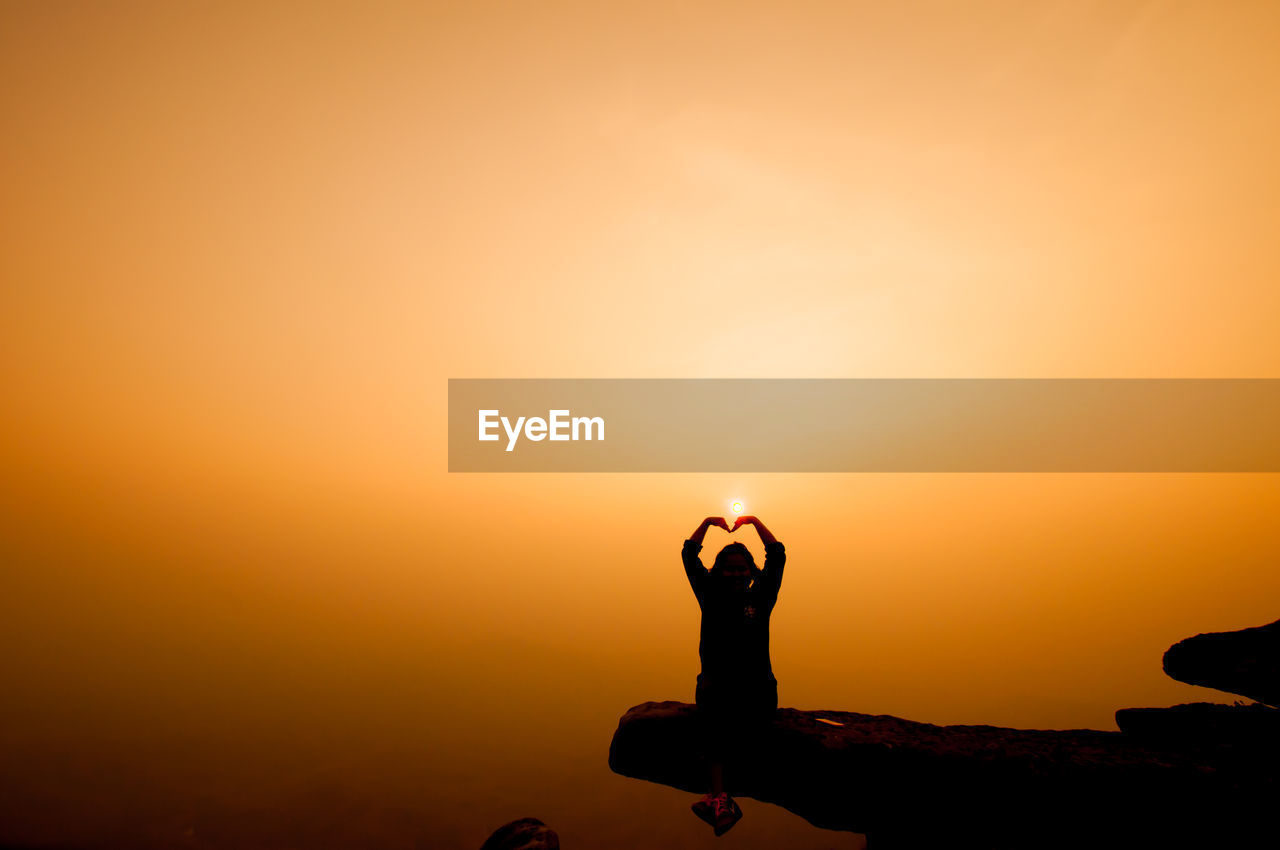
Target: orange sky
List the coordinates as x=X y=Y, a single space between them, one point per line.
x=245 y=245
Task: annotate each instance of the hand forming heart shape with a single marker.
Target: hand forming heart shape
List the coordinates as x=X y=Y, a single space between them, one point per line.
x=720 y=522
x=700 y=532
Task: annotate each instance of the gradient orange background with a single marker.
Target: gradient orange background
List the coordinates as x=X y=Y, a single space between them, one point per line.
x=245 y=245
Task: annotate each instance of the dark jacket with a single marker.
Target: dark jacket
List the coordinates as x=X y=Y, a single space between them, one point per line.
x=734 y=642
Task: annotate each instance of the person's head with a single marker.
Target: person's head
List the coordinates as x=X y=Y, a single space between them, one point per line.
x=734 y=568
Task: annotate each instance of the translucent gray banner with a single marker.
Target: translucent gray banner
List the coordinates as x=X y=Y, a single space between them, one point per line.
x=864 y=425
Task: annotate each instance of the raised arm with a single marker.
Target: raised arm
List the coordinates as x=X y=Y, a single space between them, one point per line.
x=701 y=531
x=689 y=554
x=775 y=554
x=766 y=537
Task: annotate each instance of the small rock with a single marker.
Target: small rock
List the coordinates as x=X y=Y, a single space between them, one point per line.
x=523 y=834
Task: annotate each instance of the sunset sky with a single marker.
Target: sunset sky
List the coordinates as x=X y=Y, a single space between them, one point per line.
x=245 y=245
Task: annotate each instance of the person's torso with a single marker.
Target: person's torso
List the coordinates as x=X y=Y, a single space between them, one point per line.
x=735 y=634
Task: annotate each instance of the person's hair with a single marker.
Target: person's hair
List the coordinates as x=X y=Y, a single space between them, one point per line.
x=728 y=552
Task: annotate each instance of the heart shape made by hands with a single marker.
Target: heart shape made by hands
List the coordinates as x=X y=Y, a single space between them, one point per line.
x=739 y=522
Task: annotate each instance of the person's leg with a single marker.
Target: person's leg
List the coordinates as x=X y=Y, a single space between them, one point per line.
x=728 y=739
x=745 y=715
x=717 y=777
x=711 y=808
x=715 y=749
x=711 y=712
x=710 y=751
x=724 y=809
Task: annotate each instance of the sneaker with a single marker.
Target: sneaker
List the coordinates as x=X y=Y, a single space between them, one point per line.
x=704 y=809
x=726 y=812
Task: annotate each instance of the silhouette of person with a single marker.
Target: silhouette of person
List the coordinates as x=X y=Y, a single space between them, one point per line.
x=737 y=693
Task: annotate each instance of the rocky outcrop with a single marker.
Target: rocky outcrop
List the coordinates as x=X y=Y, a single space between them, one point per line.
x=1245 y=662
x=1204 y=724
x=523 y=834
x=910 y=784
